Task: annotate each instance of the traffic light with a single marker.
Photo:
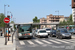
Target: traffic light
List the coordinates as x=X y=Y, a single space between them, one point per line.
x=8 y=16
x=8 y=25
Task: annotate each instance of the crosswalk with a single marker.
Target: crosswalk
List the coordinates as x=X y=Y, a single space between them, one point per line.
x=48 y=41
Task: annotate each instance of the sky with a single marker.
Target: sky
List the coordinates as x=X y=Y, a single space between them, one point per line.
x=25 y=10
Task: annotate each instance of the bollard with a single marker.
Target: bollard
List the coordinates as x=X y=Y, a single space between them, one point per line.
x=12 y=38
x=5 y=40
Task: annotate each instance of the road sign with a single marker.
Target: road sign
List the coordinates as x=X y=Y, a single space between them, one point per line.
x=6 y=20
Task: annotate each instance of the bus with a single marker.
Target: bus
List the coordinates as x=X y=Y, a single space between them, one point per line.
x=24 y=31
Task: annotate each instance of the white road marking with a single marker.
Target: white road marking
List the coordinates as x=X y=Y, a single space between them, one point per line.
x=62 y=41
x=55 y=41
x=46 y=42
x=70 y=40
x=30 y=42
x=38 y=42
x=22 y=43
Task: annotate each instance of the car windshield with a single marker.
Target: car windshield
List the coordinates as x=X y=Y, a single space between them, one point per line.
x=54 y=31
x=42 y=31
x=48 y=29
x=64 y=31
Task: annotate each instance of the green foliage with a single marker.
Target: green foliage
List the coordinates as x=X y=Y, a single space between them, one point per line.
x=36 y=20
x=12 y=21
x=68 y=22
x=2 y=16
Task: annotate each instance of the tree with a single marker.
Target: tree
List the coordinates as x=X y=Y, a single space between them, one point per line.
x=69 y=21
x=2 y=16
x=12 y=22
x=35 y=20
x=2 y=24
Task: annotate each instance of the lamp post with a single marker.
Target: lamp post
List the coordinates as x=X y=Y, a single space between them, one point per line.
x=58 y=16
x=6 y=25
x=58 y=12
x=4 y=8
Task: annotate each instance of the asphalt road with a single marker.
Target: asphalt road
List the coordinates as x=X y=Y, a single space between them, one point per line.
x=50 y=43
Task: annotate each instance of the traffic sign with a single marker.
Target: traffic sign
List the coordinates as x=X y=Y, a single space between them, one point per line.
x=6 y=20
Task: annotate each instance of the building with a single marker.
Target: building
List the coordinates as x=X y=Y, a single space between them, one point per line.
x=50 y=18
x=62 y=19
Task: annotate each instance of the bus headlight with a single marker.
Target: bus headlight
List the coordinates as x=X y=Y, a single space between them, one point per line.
x=20 y=34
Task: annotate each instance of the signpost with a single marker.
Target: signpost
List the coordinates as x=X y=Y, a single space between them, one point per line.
x=6 y=20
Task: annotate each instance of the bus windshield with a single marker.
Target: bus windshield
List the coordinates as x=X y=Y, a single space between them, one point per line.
x=25 y=28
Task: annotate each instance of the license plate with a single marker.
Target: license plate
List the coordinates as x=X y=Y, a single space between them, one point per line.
x=25 y=37
x=67 y=35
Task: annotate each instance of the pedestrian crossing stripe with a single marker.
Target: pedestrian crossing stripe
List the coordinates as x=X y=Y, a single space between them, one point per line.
x=22 y=43
x=46 y=42
x=62 y=41
x=38 y=42
x=30 y=42
x=55 y=41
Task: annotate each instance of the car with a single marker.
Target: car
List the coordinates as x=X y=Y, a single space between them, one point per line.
x=62 y=33
x=41 y=33
x=53 y=33
x=72 y=31
x=48 y=30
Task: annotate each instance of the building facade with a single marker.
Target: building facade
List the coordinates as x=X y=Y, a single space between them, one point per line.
x=50 y=18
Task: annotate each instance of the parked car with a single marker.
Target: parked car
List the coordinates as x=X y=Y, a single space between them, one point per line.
x=63 y=33
x=53 y=33
x=72 y=31
x=41 y=33
x=48 y=30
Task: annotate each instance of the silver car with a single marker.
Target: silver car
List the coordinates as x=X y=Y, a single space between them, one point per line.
x=63 y=33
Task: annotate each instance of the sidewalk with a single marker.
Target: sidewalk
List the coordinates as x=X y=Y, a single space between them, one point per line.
x=9 y=46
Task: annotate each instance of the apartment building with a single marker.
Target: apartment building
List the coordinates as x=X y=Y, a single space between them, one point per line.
x=50 y=18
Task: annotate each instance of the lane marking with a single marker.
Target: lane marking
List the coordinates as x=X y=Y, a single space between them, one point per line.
x=22 y=43
x=62 y=41
x=30 y=42
x=55 y=41
x=70 y=40
x=38 y=42
x=46 y=42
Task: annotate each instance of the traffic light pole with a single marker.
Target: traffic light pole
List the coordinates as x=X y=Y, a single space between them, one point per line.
x=8 y=33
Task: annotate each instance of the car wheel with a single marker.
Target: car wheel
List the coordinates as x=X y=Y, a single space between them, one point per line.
x=69 y=37
x=46 y=36
x=56 y=36
x=60 y=37
x=38 y=36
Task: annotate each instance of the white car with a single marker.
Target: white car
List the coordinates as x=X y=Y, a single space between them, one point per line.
x=48 y=30
x=41 y=33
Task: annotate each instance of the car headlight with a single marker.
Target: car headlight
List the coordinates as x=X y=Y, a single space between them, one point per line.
x=70 y=34
x=20 y=34
x=63 y=34
x=31 y=34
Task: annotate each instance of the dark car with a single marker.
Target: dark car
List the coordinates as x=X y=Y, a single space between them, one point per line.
x=62 y=33
x=53 y=33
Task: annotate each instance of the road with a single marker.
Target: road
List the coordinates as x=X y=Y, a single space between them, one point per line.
x=50 y=43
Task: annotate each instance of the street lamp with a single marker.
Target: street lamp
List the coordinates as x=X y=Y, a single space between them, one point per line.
x=4 y=8
x=8 y=12
x=58 y=12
